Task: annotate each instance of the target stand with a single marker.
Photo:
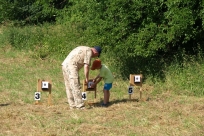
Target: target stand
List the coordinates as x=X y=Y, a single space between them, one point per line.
x=43 y=86
x=87 y=88
x=135 y=80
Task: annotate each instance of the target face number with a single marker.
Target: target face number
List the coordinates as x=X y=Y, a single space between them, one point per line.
x=130 y=89
x=84 y=96
x=37 y=96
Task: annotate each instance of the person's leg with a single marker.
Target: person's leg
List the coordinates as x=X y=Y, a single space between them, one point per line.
x=106 y=92
x=76 y=88
x=70 y=97
x=106 y=98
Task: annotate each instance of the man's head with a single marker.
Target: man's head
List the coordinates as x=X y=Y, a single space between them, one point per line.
x=98 y=49
x=96 y=64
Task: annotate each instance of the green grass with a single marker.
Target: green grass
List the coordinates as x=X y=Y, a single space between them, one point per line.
x=187 y=80
x=174 y=106
x=163 y=114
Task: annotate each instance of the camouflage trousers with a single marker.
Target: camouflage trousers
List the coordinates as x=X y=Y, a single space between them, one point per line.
x=73 y=87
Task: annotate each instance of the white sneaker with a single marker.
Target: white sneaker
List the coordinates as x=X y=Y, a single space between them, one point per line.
x=81 y=108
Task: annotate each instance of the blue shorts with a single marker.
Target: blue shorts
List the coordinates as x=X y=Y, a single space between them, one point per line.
x=107 y=86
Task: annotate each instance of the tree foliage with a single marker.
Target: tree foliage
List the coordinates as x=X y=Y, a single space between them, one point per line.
x=140 y=32
x=30 y=11
x=130 y=28
x=140 y=27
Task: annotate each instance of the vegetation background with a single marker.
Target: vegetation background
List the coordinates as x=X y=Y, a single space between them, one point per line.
x=161 y=39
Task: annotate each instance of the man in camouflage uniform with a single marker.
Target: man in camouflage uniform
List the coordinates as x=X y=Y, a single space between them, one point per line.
x=77 y=58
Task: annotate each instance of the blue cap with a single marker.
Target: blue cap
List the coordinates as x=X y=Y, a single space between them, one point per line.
x=98 y=49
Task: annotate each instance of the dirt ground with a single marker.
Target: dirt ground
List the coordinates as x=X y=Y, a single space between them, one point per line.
x=163 y=115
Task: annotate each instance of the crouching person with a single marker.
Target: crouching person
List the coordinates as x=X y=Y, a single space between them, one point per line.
x=108 y=78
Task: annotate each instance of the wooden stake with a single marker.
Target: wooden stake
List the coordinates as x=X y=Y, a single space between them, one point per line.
x=140 y=93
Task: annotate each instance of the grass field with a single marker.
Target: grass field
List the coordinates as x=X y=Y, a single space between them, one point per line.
x=163 y=114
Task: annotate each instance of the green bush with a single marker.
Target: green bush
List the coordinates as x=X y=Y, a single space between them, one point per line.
x=45 y=40
x=134 y=28
x=139 y=35
x=30 y=11
x=138 y=28
x=136 y=35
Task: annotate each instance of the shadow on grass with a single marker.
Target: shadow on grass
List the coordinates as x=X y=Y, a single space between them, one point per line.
x=98 y=104
x=123 y=101
x=5 y=104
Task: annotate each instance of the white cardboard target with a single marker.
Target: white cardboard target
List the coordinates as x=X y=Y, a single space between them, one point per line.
x=90 y=84
x=45 y=85
x=137 y=79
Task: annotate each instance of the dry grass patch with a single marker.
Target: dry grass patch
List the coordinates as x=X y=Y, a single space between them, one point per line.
x=162 y=115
